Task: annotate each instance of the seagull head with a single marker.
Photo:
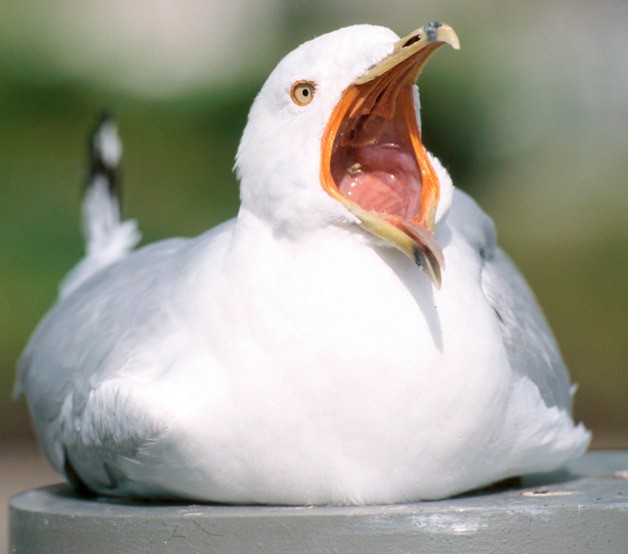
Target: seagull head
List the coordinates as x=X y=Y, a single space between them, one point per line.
x=334 y=137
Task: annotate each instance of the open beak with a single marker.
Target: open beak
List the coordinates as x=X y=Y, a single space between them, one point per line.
x=373 y=160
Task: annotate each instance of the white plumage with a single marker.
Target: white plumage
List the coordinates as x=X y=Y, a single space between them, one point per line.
x=290 y=355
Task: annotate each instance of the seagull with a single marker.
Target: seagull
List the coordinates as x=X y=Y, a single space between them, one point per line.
x=354 y=336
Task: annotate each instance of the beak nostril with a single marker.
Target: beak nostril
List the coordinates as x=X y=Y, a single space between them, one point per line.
x=411 y=40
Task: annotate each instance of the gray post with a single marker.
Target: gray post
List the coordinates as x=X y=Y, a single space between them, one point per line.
x=584 y=509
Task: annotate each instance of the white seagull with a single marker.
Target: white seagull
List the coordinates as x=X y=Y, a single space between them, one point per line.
x=353 y=336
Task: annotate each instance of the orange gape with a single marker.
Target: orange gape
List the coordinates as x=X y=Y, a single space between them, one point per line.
x=354 y=125
x=388 y=97
x=372 y=156
x=373 y=160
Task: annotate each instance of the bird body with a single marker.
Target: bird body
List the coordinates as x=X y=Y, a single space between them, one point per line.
x=289 y=355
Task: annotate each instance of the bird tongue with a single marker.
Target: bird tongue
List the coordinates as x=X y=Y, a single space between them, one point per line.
x=383 y=178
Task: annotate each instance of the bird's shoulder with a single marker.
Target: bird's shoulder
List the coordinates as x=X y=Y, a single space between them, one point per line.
x=134 y=305
x=529 y=342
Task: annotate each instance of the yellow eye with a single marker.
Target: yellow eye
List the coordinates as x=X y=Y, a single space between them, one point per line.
x=302 y=92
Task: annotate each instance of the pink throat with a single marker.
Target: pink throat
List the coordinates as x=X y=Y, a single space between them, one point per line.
x=374 y=164
x=383 y=178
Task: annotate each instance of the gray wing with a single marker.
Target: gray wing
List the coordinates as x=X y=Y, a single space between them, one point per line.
x=530 y=345
x=80 y=345
x=529 y=342
x=89 y=364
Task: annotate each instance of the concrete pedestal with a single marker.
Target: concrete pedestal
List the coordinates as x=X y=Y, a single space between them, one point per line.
x=582 y=509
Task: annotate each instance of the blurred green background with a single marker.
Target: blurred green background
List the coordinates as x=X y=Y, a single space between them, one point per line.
x=530 y=117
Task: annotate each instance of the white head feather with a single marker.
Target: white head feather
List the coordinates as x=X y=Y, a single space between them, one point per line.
x=278 y=160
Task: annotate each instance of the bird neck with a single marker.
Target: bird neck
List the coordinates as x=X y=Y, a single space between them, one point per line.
x=293 y=208
x=256 y=235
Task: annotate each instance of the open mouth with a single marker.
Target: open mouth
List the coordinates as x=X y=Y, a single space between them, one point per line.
x=373 y=160
x=372 y=165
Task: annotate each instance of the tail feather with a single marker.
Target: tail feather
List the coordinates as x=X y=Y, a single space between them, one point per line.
x=107 y=237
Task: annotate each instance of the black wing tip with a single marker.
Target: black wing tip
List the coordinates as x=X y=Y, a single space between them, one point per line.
x=102 y=163
x=105 y=115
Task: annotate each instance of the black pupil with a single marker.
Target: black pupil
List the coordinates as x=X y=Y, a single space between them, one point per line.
x=305 y=92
